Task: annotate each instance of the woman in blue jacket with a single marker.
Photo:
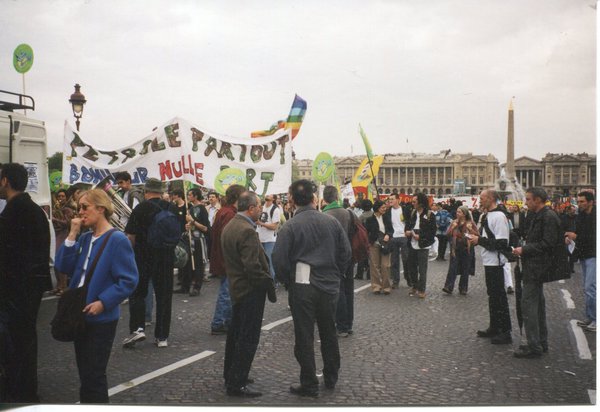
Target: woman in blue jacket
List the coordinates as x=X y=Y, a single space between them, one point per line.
x=113 y=280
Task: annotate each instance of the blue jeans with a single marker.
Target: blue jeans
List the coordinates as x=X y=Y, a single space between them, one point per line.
x=222 y=316
x=588 y=267
x=268 y=247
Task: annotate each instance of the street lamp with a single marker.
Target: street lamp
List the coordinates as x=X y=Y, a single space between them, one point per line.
x=77 y=100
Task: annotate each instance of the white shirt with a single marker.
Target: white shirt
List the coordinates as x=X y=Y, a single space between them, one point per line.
x=498 y=224
x=398 y=222
x=212 y=211
x=267 y=235
x=415 y=243
x=71 y=243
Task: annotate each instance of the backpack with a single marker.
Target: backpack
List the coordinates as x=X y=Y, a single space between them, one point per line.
x=272 y=211
x=164 y=231
x=359 y=239
x=513 y=240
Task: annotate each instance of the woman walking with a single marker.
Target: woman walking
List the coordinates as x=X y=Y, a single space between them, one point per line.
x=380 y=231
x=462 y=252
x=107 y=254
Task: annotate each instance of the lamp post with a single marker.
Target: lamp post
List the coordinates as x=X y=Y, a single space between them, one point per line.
x=77 y=100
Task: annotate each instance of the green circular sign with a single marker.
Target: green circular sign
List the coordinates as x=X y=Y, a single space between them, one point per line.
x=55 y=180
x=228 y=177
x=23 y=58
x=323 y=167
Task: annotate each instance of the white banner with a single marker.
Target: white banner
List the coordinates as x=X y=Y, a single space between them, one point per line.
x=179 y=151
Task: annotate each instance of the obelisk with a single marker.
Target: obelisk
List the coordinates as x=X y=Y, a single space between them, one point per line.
x=510 y=146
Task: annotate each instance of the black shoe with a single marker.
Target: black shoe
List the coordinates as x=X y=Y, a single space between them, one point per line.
x=526 y=353
x=303 y=391
x=526 y=347
x=510 y=290
x=221 y=330
x=502 y=338
x=243 y=392
x=488 y=333
x=194 y=292
x=545 y=347
x=329 y=384
x=446 y=290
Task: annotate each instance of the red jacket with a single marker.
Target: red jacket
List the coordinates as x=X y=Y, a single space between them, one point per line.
x=223 y=216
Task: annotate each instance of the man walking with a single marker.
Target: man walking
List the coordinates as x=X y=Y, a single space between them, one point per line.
x=443 y=220
x=222 y=315
x=585 y=241
x=543 y=235
x=312 y=275
x=154 y=265
x=494 y=237
x=344 y=317
x=399 y=241
x=248 y=275
x=24 y=277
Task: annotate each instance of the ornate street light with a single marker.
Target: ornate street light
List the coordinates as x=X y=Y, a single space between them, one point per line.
x=77 y=100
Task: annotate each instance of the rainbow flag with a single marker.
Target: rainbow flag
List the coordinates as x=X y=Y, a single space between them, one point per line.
x=294 y=120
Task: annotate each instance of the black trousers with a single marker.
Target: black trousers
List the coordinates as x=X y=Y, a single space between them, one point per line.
x=310 y=305
x=92 y=352
x=497 y=300
x=157 y=266
x=243 y=337
x=344 y=317
x=442 y=243
x=21 y=367
x=193 y=277
x=399 y=252
x=417 y=268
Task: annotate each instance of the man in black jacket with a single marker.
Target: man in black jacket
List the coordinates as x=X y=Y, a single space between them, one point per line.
x=542 y=237
x=24 y=276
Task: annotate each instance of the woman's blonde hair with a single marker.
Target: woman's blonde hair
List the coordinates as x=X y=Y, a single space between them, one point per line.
x=99 y=198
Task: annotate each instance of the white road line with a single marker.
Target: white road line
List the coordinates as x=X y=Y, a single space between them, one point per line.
x=368 y=285
x=50 y=297
x=582 y=344
x=567 y=298
x=169 y=368
x=276 y=323
x=592 y=395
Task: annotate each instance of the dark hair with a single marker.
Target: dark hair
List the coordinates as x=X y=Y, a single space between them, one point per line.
x=196 y=192
x=366 y=205
x=589 y=196
x=538 y=192
x=302 y=192
x=330 y=194
x=17 y=176
x=212 y=192
x=233 y=193
x=377 y=205
x=423 y=200
x=77 y=186
x=245 y=200
x=123 y=176
x=177 y=192
x=61 y=190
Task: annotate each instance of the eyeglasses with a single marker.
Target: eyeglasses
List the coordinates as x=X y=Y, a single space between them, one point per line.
x=83 y=206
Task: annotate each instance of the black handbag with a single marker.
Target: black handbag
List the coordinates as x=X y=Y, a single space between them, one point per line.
x=384 y=247
x=69 y=321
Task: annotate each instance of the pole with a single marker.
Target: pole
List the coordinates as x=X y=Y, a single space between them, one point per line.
x=374 y=178
x=24 y=110
x=187 y=212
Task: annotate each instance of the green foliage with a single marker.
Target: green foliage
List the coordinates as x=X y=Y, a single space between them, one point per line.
x=55 y=161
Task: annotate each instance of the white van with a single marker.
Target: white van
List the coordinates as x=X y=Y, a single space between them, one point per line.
x=23 y=140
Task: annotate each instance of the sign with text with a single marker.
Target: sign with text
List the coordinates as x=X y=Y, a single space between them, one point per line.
x=180 y=151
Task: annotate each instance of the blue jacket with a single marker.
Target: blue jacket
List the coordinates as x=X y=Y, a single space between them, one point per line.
x=115 y=277
x=443 y=219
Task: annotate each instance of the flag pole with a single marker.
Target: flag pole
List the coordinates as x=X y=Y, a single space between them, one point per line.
x=187 y=212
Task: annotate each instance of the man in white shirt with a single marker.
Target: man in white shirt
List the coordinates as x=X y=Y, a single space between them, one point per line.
x=213 y=206
x=267 y=228
x=399 y=242
x=494 y=237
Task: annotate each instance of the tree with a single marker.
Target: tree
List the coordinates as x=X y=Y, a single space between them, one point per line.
x=55 y=161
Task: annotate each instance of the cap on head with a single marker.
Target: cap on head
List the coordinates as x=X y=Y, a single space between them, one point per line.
x=153 y=185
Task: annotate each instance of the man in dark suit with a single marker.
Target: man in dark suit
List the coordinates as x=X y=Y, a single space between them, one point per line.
x=249 y=278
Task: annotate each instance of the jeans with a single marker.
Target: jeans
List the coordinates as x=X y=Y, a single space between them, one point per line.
x=157 y=267
x=268 y=247
x=399 y=250
x=460 y=264
x=588 y=267
x=418 y=259
x=497 y=300
x=442 y=243
x=310 y=305
x=533 y=304
x=92 y=352
x=222 y=316
x=344 y=316
x=243 y=337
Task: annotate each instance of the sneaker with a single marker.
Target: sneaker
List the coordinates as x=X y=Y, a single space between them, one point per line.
x=161 y=343
x=412 y=292
x=583 y=322
x=590 y=328
x=135 y=337
x=342 y=334
x=446 y=290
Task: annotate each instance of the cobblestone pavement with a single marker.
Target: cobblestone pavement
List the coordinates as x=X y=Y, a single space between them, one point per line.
x=404 y=351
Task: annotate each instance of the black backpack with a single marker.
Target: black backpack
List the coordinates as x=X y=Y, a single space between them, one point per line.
x=165 y=230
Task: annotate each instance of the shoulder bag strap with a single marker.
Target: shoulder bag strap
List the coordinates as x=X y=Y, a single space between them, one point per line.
x=90 y=272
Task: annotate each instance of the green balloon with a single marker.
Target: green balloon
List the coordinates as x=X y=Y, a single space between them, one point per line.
x=323 y=167
x=23 y=58
x=228 y=177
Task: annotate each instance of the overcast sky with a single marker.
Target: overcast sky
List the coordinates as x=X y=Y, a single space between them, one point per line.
x=439 y=74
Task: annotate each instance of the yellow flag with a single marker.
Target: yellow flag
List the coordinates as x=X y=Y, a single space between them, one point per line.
x=363 y=175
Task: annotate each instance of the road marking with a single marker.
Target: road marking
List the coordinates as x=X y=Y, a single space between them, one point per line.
x=276 y=323
x=50 y=297
x=169 y=368
x=567 y=298
x=582 y=344
x=592 y=395
x=368 y=285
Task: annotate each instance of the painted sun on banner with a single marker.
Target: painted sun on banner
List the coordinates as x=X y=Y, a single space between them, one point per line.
x=180 y=151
